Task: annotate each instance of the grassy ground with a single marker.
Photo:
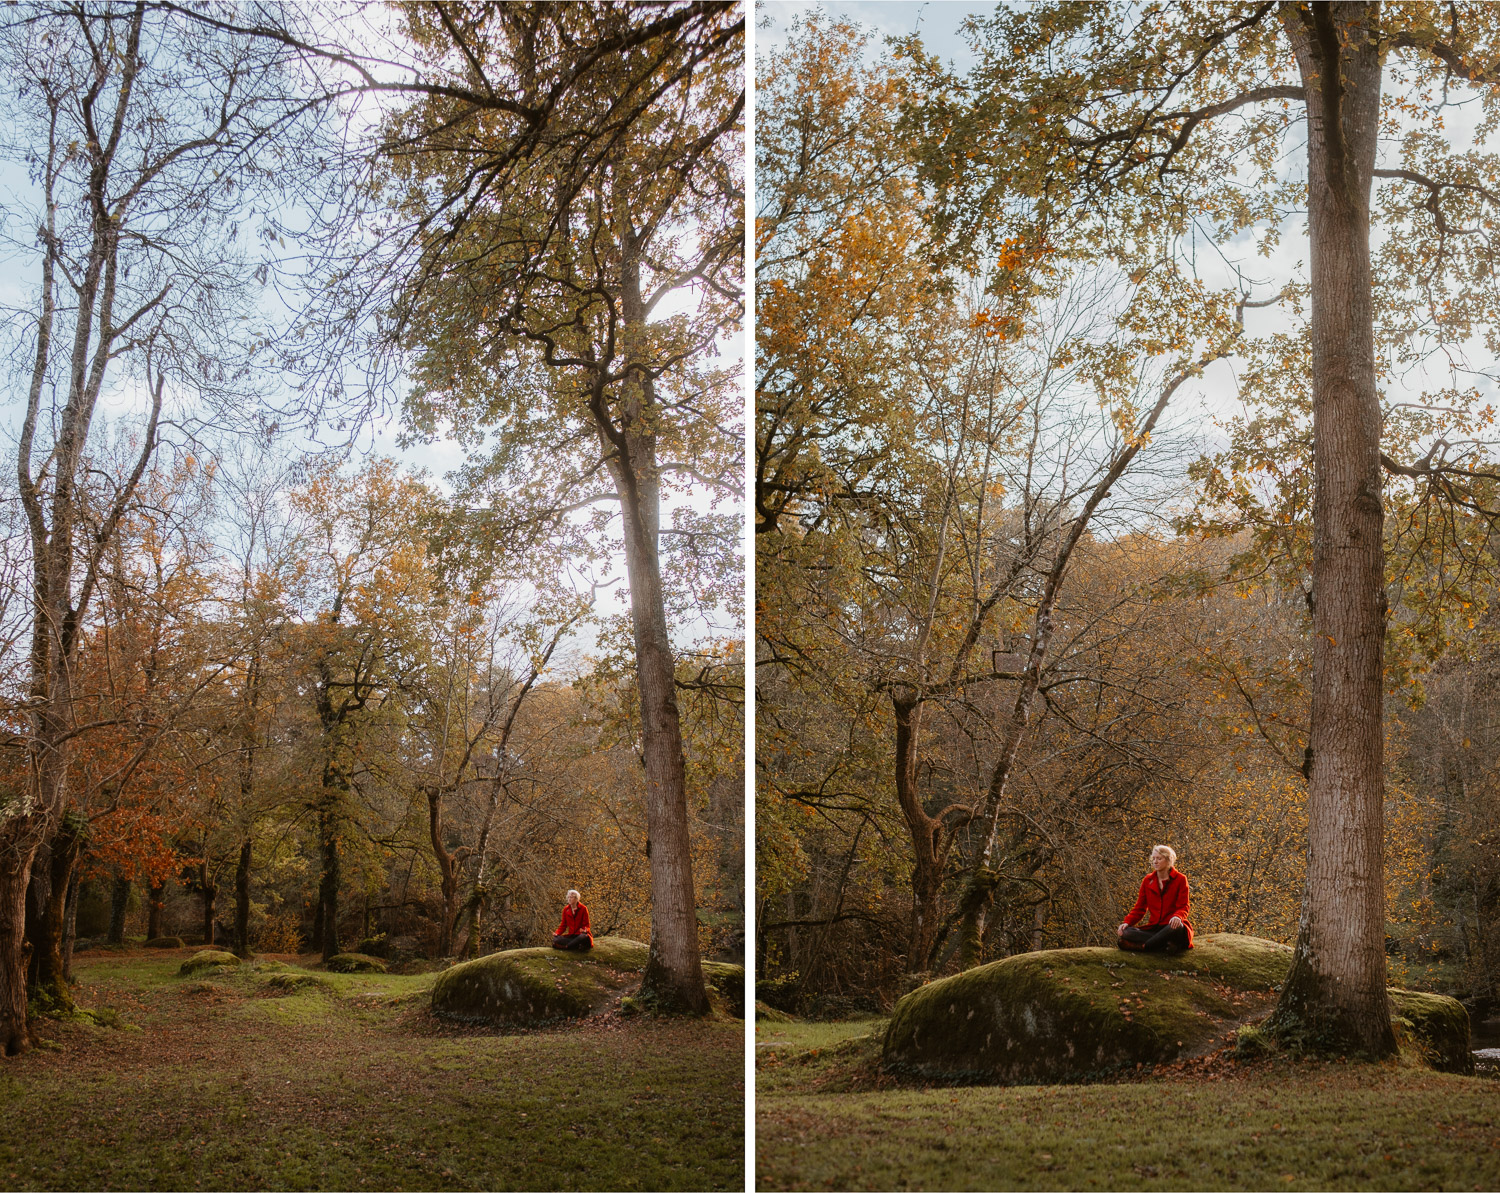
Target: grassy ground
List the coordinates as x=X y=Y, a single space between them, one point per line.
x=827 y=1119
x=348 y=1082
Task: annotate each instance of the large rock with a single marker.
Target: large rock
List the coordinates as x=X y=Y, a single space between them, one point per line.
x=1073 y=1014
x=208 y=959
x=727 y=980
x=529 y=987
x=526 y=987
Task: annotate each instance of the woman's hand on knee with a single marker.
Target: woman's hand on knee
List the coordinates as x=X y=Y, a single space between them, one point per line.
x=1120 y=931
x=1174 y=922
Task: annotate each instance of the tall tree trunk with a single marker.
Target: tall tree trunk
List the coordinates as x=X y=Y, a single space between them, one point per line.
x=926 y=834
x=70 y=923
x=49 y=982
x=19 y=838
x=328 y=884
x=476 y=924
x=1335 y=994
x=119 y=904
x=36 y=914
x=156 y=895
x=209 y=890
x=315 y=940
x=674 y=969
x=241 y=942
x=447 y=865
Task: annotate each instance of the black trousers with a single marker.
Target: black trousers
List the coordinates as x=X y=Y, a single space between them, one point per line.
x=1156 y=937
x=577 y=942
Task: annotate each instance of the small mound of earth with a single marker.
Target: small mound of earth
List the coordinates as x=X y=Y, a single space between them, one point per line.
x=164 y=942
x=532 y=987
x=354 y=963
x=766 y=1013
x=289 y=982
x=208 y=959
x=1075 y=1014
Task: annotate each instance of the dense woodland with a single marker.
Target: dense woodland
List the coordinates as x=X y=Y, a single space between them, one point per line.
x=251 y=641
x=265 y=687
x=1019 y=619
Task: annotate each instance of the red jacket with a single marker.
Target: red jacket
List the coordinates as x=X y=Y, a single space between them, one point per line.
x=1159 y=904
x=575 y=920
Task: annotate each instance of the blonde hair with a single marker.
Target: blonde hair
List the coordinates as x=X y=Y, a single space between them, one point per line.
x=1166 y=849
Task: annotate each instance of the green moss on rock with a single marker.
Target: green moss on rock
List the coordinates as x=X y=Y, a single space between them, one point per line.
x=526 y=987
x=354 y=963
x=727 y=980
x=1074 y=1014
x=1439 y=1026
x=164 y=942
x=208 y=959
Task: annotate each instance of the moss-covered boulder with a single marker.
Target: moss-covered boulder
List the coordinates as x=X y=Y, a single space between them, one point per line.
x=354 y=963
x=766 y=1013
x=526 y=987
x=164 y=942
x=375 y=946
x=1438 y=1026
x=727 y=980
x=1073 y=1014
x=208 y=959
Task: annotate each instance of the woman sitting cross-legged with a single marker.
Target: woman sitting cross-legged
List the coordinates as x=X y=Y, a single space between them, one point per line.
x=1159 y=919
x=574 y=931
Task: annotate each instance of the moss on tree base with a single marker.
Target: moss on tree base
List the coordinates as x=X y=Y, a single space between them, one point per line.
x=1078 y=1014
x=531 y=987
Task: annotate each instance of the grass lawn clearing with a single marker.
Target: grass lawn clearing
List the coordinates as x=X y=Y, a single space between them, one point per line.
x=828 y=1118
x=346 y=1081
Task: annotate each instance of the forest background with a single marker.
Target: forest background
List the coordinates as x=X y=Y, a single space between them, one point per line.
x=931 y=427
x=264 y=688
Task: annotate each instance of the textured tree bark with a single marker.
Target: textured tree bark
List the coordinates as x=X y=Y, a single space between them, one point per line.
x=926 y=837
x=241 y=941
x=447 y=864
x=328 y=884
x=209 y=890
x=1335 y=997
x=156 y=896
x=48 y=970
x=18 y=835
x=674 y=970
x=70 y=923
x=119 y=903
x=36 y=912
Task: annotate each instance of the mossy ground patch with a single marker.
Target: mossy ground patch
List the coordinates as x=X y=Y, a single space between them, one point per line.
x=208 y=959
x=361 y=1092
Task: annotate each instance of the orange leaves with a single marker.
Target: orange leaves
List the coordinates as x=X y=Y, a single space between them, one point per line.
x=997 y=326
